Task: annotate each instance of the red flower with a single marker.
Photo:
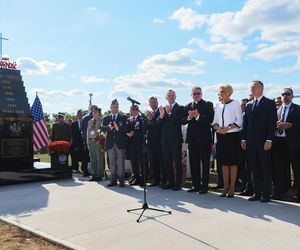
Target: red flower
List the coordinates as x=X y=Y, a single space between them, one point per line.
x=59 y=146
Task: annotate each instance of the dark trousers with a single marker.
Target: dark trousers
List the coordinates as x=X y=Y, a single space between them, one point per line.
x=155 y=159
x=77 y=155
x=137 y=161
x=85 y=160
x=281 y=166
x=244 y=171
x=261 y=167
x=199 y=156
x=295 y=160
x=173 y=154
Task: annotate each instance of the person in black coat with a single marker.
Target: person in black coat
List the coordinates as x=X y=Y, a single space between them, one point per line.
x=199 y=116
x=153 y=143
x=77 y=149
x=135 y=145
x=286 y=150
x=257 y=138
x=170 y=119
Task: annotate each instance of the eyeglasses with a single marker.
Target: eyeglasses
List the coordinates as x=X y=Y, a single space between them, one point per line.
x=286 y=94
x=197 y=93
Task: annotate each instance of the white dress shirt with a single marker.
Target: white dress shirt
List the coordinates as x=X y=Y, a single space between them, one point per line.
x=283 y=119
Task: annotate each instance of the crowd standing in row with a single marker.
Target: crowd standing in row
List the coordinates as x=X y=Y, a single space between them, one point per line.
x=256 y=140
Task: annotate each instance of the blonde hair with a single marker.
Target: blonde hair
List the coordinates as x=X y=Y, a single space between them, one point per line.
x=227 y=88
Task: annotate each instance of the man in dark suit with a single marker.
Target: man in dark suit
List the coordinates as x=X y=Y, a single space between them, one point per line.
x=170 y=119
x=135 y=146
x=286 y=149
x=257 y=138
x=153 y=142
x=199 y=116
x=115 y=126
x=77 y=152
x=244 y=171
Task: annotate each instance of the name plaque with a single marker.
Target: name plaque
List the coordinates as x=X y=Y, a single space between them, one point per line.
x=14 y=148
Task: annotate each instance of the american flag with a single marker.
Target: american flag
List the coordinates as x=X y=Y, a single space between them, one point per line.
x=40 y=132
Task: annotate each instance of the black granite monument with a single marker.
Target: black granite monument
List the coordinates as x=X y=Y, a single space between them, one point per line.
x=16 y=132
x=16 y=151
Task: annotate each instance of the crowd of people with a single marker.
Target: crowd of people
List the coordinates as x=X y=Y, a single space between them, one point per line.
x=255 y=141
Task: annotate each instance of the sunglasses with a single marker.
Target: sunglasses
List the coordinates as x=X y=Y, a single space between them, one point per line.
x=286 y=94
x=196 y=93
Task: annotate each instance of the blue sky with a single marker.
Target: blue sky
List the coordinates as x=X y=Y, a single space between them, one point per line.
x=139 y=48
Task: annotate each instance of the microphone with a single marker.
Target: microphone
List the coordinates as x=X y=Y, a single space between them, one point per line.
x=133 y=101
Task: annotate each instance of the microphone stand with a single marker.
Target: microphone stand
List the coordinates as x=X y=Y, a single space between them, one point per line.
x=145 y=204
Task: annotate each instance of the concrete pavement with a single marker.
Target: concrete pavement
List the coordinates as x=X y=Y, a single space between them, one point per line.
x=87 y=215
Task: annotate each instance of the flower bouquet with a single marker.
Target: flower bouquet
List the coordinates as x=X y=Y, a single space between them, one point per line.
x=59 y=153
x=101 y=139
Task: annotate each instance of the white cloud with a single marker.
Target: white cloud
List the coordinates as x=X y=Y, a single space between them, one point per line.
x=58 y=93
x=278 y=50
x=188 y=19
x=158 y=21
x=93 y=79
x=230 y=50
x=156 y=73
x=30 y=66
x=182 y=61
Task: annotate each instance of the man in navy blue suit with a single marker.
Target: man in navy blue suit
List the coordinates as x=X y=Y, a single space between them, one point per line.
x=153 y=142
x=170 y=119
x=115 y=126
x=135 y=146
x=257 y=138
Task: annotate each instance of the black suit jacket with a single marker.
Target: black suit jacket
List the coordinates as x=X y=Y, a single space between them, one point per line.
x=77 y=140
x=199 y=131
x=293 y=134
x=154 y=131
x=171 y=126
x=113 y=136
x=260 y=125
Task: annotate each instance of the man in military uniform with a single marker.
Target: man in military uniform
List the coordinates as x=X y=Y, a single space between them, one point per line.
x=61 y=131
x=115 y=126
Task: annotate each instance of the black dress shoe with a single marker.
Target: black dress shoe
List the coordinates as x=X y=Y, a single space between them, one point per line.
x=167 y=186
x=203 y=191
x=297 y=197
x=86 y=175
x=265 y=199
x=121 y=183
x=222 y=195
x=112 y=183
x=176 y=188
x=254 y=198
x=246 y=193
x=276 y=197
x=153 y=184
x=193 y=190
x=98 y=179
x=134 y=183
x=92 y=179
x=230 y=195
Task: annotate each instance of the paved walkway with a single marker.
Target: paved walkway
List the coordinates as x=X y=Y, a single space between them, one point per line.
x=86 y=215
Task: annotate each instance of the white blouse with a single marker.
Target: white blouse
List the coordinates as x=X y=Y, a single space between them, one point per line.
x=229 y=114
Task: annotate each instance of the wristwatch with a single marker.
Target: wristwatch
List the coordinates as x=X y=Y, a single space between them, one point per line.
x=229 y=127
